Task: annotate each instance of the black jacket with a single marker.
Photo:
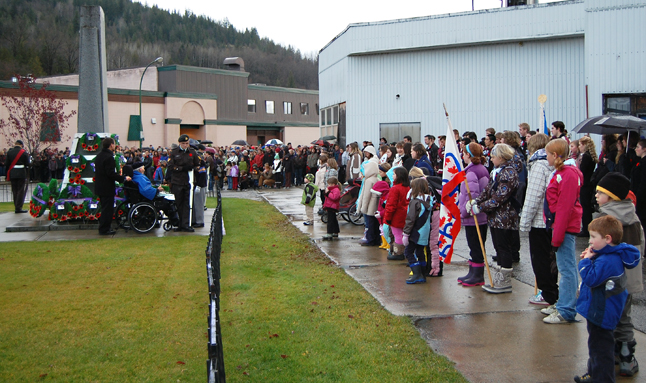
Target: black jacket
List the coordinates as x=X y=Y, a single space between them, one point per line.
x=105 y=173
x=22 y=163
x=179 y=164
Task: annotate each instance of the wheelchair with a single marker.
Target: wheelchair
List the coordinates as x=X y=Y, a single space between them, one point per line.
x=142 y=215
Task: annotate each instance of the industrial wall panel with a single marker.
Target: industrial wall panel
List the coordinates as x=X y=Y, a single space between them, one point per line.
x=333 y=84
x=615 y=49
x=483 y=86
x=492 y=25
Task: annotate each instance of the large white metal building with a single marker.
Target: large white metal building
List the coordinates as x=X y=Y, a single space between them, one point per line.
x=391 y=78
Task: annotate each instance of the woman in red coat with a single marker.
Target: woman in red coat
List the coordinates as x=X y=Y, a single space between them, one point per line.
x=396 y=208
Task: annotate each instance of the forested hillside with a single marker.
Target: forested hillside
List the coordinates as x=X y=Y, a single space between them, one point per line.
x=41 y=37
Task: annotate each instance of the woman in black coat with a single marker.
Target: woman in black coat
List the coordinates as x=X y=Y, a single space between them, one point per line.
x=588 y=163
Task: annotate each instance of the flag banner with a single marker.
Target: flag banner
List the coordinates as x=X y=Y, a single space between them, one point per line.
x=546 y=130
x=452 y=177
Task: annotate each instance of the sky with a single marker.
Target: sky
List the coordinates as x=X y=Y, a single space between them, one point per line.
x=310 y=26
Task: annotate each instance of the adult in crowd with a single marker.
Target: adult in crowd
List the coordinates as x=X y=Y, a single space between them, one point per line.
x=502 y=216
x=105 y=175
x=431 y=149
x=17 y=170
x=370 y=173
x=354 y=163
x=638 y=180
x=564 y=216
x=558 y=131
x=183 y=159
x=288 y=166
x=540 y=248
x=588 y=163
x=523 y=130
x=421 y=159
x=312 y=161
x=489 y=143
x=404 y=153
x=477 y=177
x=200 y=182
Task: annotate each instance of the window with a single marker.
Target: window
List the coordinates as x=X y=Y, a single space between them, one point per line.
x=305 y=108
x=335 y=115
x=287 y=107
x=323 y=122
x=395 y=132
x=269 y=107
x=49 y=131
x=251 y=106
x=328 y=116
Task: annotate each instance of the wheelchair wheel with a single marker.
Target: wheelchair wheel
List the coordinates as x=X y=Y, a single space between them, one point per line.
x=142 y=217
x=168 y=226
x=324 y=217
x=355 y=216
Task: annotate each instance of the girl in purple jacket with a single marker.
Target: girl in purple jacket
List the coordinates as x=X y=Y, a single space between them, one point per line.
x=478 y=177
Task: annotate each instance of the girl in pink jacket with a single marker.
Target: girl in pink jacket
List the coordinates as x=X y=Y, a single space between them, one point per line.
x=331 y=207
x=563 y=214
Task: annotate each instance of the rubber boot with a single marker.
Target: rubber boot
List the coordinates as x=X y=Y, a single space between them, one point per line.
x=477 y=278
x=460 y=279
x=397 y=253
x=501 y=282
x=628 y=365
x=418 y=276
x=384 y=243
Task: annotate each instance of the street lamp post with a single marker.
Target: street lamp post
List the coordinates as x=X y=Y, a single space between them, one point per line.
x=141 y=132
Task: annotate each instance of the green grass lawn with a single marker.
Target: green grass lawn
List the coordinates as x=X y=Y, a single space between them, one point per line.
x=8 y=206
x=134 y=310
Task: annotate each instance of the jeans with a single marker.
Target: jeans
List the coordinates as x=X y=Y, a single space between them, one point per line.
x=601 y=349
x=230 y=182
x=540 y=249
x=415 y=254
x=372 y=233
x=298 y=176
x=566 y=263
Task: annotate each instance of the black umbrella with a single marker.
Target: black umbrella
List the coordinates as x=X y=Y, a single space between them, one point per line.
x=240 y=142
x=328 y=138
x=206 y=142
x=608 y=124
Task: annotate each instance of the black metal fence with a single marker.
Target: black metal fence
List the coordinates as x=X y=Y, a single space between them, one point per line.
x=215 y=363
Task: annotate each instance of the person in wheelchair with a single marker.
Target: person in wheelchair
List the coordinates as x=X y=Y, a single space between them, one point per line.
x=148 y=192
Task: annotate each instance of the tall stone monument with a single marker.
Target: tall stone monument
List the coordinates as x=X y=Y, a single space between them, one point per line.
x=93 y=87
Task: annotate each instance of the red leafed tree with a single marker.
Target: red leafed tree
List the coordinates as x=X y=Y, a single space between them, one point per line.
x=36 y=116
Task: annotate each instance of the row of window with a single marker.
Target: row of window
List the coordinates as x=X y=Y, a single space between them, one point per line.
x=269 y=107
x=330 y=116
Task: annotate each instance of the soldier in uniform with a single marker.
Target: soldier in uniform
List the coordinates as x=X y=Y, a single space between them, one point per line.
x=18 y=162
x=181 y=161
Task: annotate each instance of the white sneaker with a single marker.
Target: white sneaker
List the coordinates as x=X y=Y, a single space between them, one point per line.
x=555 y=318
x=549 y=310
x=538 y=299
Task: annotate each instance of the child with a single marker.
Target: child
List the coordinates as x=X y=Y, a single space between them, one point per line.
x=380 y=192
x=235 y=173
x=562 y=196
x=417 y=229
x=612 y=193
x=229 y=179
x=603 y=293
x=255 y=176
x=309 y=199
x=331 y=205
x=395 y=212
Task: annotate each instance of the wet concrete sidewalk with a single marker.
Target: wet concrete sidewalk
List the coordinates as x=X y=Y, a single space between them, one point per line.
x=490 y=338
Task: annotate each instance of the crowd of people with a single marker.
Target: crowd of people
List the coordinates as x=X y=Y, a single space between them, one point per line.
x=546 y=185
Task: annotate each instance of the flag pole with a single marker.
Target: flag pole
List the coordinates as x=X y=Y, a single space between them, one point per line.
x=484 y=252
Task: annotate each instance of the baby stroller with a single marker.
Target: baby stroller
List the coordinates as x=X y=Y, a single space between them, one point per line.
x=348 y=204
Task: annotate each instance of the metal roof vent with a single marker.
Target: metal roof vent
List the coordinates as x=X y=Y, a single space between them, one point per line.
x=234 y=63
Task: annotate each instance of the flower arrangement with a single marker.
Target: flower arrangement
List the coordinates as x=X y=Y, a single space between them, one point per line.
x=93 y=210
x=78 y=191
x=40 y=200
x=77 y=180
x=90 y=142
x=76 y=163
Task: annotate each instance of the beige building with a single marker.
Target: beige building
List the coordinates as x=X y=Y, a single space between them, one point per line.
x=207 y=104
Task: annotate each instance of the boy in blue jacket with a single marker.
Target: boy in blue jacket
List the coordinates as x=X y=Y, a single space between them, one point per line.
x=603 y=293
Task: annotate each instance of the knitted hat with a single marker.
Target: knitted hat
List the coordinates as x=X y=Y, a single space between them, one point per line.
x=310 y=177
x=615 y=185
x=137 y=165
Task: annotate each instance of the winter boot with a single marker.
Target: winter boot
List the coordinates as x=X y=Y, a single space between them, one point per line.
x=628 y=365
x=501 y=282
x=460 y=279
x=477 y=278
x=384 y=243
x=418 y=276
x=397 y=253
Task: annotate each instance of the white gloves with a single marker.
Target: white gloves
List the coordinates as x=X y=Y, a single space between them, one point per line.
x=472 y=208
